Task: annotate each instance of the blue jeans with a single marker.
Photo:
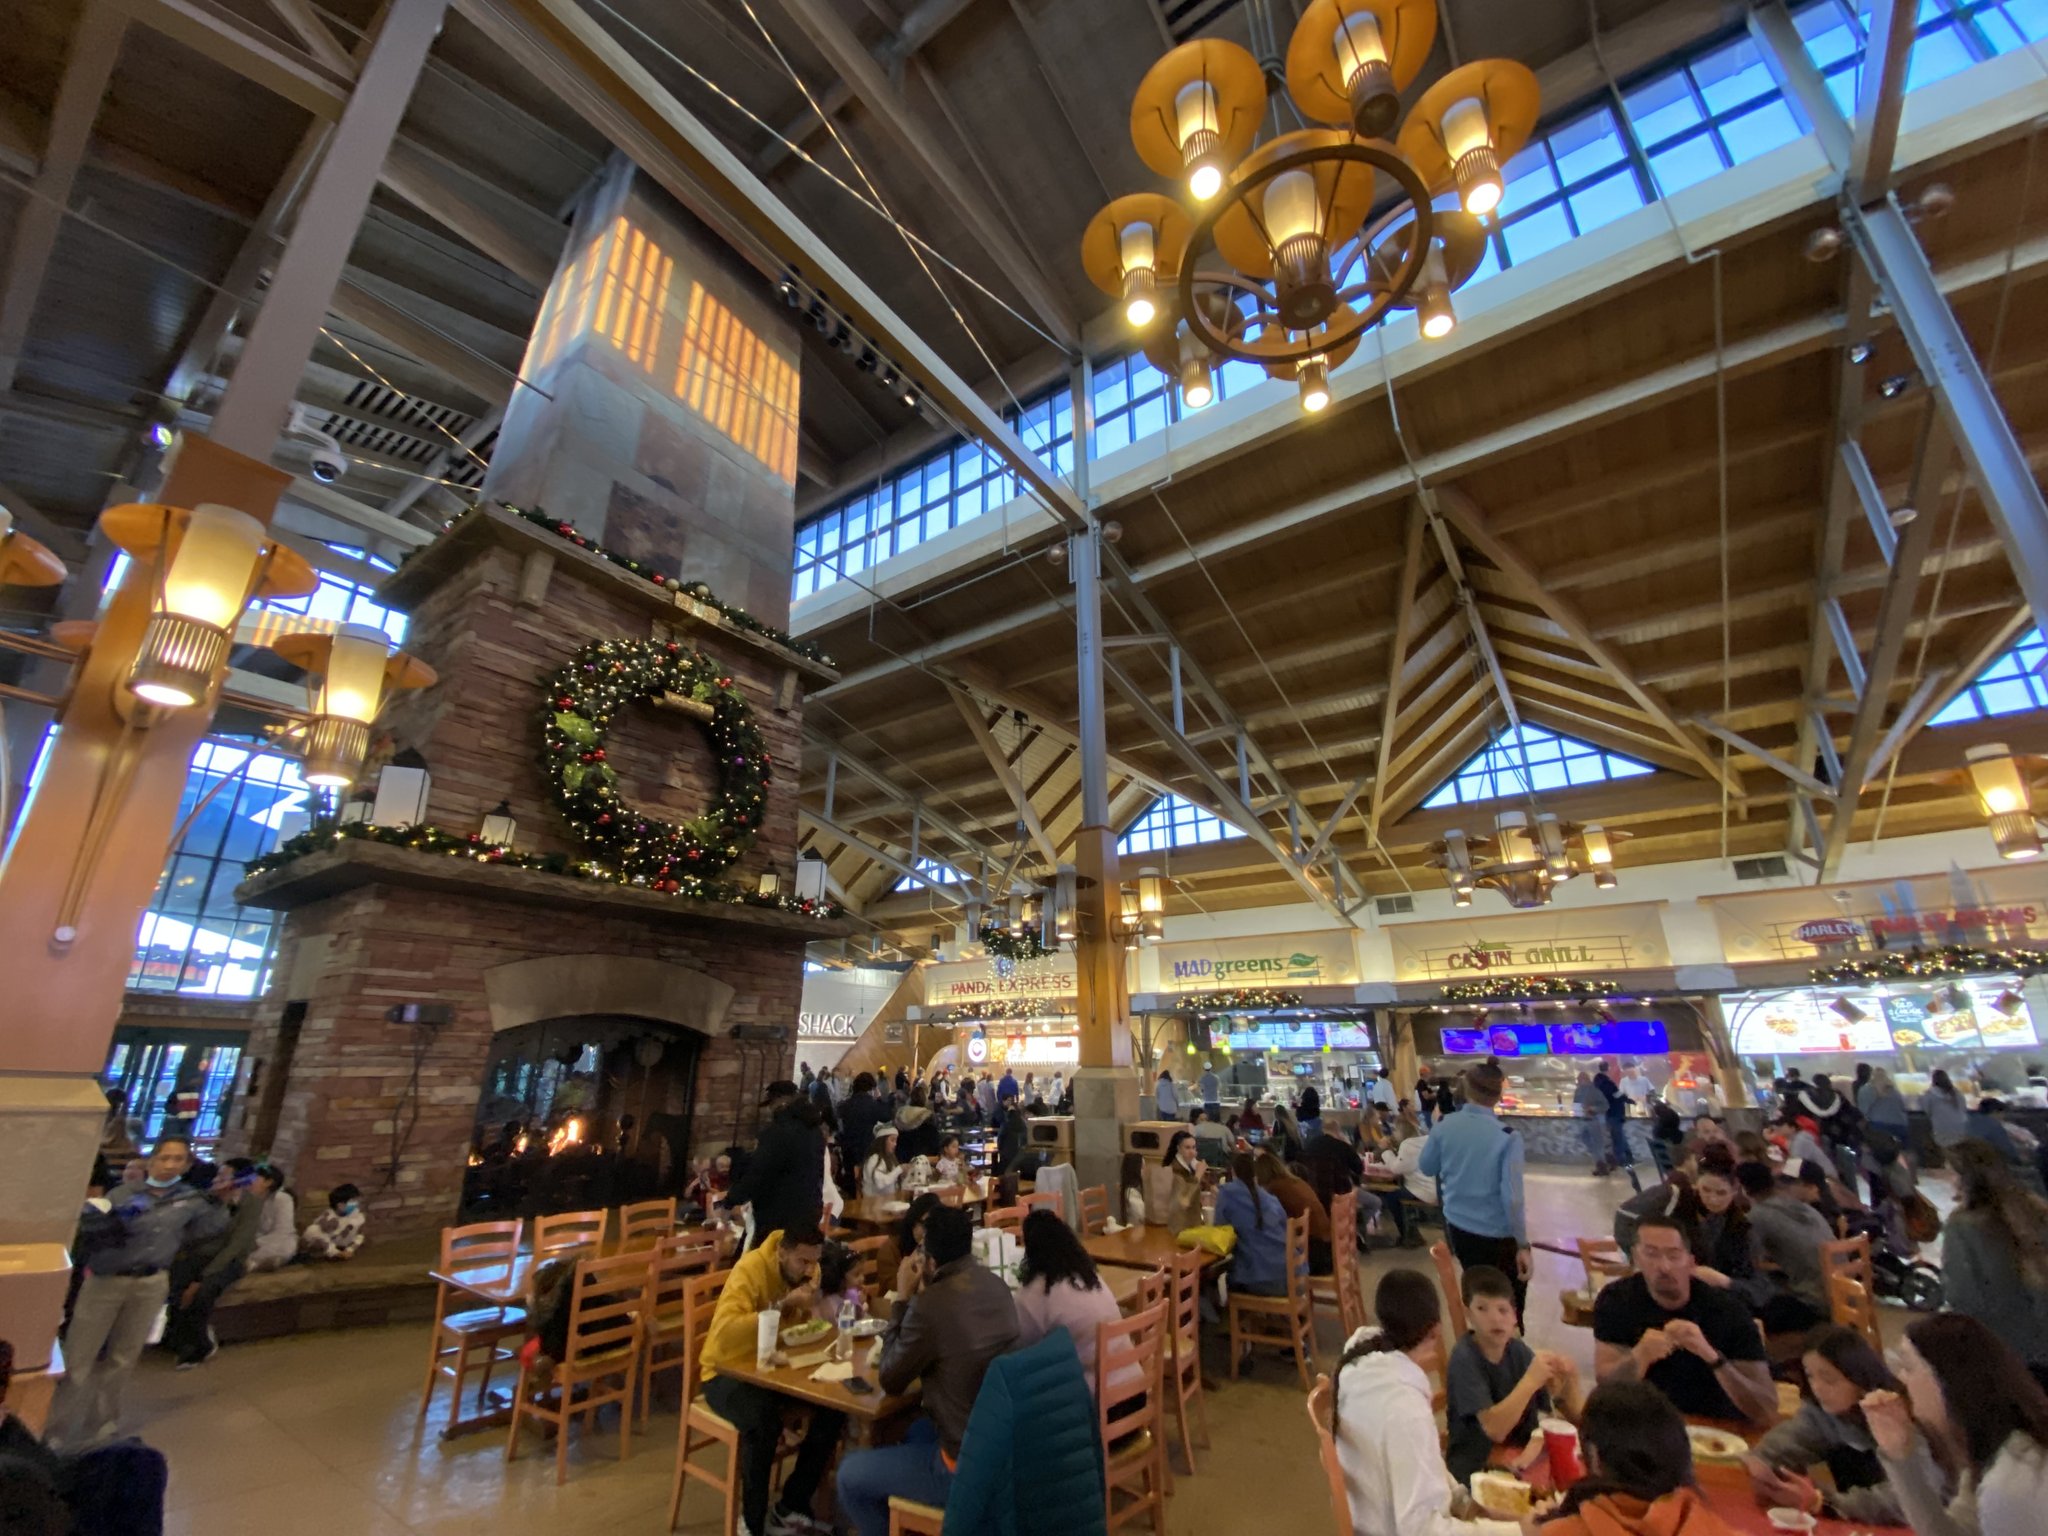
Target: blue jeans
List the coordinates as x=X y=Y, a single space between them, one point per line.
x=912 y=1470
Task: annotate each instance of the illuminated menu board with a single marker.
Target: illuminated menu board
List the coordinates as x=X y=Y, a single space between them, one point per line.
x=1300 y=1037
x=1965 y=1016
x=1803 y=1024
x=1620 y=1037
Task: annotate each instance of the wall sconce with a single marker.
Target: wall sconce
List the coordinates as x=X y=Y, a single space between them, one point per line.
x=1152 y=901
x=1066 y=904
x=499 y=829
x=1129 y=918
x=216 y=559
x=2002 y=794
x=348 y=675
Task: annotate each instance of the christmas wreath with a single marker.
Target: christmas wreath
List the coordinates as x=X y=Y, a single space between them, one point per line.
x=607 y=676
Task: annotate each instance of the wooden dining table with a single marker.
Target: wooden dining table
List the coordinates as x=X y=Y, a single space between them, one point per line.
x=1141 y=1247
x=797 y=1381
x=880 y=1213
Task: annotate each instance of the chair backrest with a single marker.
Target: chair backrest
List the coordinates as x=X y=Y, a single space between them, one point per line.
x=949 y=1194
x=700 y=1304
x=645 y=1224
x=1350 y=1289
x=1094 y=1209
x=1343 y=1223
x=481 y=1245
x=670 y=1267
x=605 y=1309
x=1849 y=1256
x=569 y=1229
x=1297 y=1259
x=1187 y=1307
x=1322 y=1412
x=1043 y=1202
x=1849 y=1304
x=1129 y=1368
x=1009 y=1219
x=1447 y=1277
x=1152 y=1289
x=871 y=1269
x=1603 y=1259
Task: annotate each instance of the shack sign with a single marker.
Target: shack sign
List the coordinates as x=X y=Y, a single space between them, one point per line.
x=828 y=1026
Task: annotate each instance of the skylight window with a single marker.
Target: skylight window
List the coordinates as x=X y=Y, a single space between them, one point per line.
x=2011 y=685
x=1527 y=759
x=932 y=870
x=1171 y=822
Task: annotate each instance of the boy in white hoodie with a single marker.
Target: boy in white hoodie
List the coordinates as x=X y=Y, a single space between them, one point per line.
x=1386 y=1431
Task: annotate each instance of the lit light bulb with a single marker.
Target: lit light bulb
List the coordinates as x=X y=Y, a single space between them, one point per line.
x=1435 y=312
x=1139 y=257
x=1205 y=181
x=1197 y=386
x=1470 y=145
x=1359 y=44
x=1201 y=139
x=1314 y=379
x=1292 y=206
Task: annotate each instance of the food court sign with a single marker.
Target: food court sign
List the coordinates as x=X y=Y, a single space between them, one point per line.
x=1556 y=942
x=1327 y=958
x=959 y=982
x=1989 y=909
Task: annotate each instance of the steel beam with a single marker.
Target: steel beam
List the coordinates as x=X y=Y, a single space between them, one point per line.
x=1006 y=774
x=1785 y=55
x=227 y=39
x=446 y=459
x=1397 y=661
x=972 y=850
x=952 y=895
x=1764 y=755
x=1880 y=97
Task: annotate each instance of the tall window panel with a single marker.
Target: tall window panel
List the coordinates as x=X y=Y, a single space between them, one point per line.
x=1171 y=822
x=2011 y=685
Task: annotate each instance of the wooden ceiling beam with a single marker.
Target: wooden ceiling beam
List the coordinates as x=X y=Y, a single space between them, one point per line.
x=1005 y=772
x=1397 y=660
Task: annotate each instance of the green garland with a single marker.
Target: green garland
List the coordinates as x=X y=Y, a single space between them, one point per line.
x=1236 y=1000
x=1933 y=964
x=998 y=1008
x=1002 y=944
x=605 y=677
x=736 y=616
x=1527 y=989
x=423 y=838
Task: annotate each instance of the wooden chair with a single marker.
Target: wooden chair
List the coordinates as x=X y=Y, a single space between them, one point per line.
x=674 y=1262
x=1008 y=1219
x=1152 y=1290
x=909 y=1518
x=1322 y=1412
x=1454 y=1295
x=1094 y=1210
x=1603 y=1259
x=1850 y=1304
x=949 y=1194
x=1184 y=1354
x=642 y=1225
x=605 y=1327
x=1327 y=1290
x=567 y=1232
x=874 y=1267
x=1849 y=1256
x=487 y=1245
x=702 y=1427
x=1047 y=1202
x=1129 y=1360
x=1287 y=1321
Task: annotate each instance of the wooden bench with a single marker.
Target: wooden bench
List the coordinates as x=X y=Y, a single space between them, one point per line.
x=386 y=1283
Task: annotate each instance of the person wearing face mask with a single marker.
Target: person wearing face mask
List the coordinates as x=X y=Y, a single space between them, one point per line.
x=128 y=1240
x=338 y=1234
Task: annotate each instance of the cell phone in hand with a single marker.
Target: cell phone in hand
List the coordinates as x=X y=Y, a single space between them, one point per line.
x=859 y=1386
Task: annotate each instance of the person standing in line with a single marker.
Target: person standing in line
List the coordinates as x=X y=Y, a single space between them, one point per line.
x=985 y=1096
x=1617 y=1121
x=1383 y=1090
x=1592 y=1103
x=1947 y=1116
x=1425 y=1097
x=1310 y=1113
x=1884 y=1108
x=1007 y=1088
x=1165 y=1097
x=128 y=1241
x=1211 y=1089
x=1477 y=1164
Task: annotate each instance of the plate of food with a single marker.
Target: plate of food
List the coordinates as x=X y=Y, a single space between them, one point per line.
x=1709 y=1444
x=895 y=1207
x=797 y=1335
x=1502 y=1494
x=869 y=1327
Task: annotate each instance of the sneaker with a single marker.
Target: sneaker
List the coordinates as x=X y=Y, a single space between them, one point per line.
x=790 y=1522
x=212 y=1347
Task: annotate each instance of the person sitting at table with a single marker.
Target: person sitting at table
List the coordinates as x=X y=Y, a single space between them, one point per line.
x=1249 y=1119
x=1296 y=1196
x=1058 y=1287
x=1496 y=1386
x=1695 y=1344
x=1285 y=1140
x=1213 y=1142
x=1841 y=1370
x=1258 y=1261
x=1385 y=1427
x=951 y=1165
x=1639 y=1479
x=1703 y=1196
x=1974 y=1401
x=1790 y=1235
x=883 y=1175
x=1417 y=1190
x=707 y=1188
x=779 y=1273
x=951 y=1317
x=909 y=1232
x=1183 y=1187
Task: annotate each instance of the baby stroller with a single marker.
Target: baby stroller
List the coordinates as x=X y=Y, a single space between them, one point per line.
x=1913 y=1283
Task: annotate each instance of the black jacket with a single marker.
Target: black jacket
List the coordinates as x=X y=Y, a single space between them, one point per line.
x=784 y=1179
x=1010 y=1141
x=1311 y=1104
x=858 y=1117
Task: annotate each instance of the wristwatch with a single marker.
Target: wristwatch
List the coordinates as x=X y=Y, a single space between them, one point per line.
x=1717 y=1362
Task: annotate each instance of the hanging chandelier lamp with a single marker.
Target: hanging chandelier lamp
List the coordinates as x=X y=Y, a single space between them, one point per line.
x=1526 y=859
x=1282 y=253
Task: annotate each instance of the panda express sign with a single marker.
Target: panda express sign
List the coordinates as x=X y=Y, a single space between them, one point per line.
x=1327 y=958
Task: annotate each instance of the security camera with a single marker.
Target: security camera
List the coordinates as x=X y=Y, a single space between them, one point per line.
x=327 y=462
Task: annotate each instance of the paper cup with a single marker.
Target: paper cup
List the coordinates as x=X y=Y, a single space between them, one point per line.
x=1790 y=1520
x=1561 y=1446
x=767 y=1333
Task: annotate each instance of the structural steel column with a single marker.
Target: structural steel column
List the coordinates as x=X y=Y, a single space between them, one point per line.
x=266 y=376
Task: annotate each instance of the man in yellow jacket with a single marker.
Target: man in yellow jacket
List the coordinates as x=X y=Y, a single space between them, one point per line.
x=780 y=1274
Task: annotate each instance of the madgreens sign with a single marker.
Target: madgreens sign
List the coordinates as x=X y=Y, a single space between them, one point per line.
x=1284 y=959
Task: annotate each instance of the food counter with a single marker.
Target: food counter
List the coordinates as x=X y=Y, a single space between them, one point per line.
x=1551 y=1137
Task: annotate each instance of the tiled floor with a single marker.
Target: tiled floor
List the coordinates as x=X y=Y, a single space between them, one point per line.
x=317 y=1435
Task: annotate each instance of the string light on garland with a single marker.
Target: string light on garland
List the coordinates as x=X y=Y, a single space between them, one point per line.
x=1002 y=944
x=1237 y=1000
x=697 y=591
x=1528 y=989
x=424 y=838
x=999 y=1008
x=605 y=677
x=1933 y=964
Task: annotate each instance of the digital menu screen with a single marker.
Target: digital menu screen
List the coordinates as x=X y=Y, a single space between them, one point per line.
x=1960 y=1018
x=1300 y=1037
x=1497 y=1040
x=1805 y=1024
x=1620 y=1037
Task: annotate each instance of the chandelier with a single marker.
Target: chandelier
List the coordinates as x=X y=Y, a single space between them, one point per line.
x=1525 y=862
x=1272 y=252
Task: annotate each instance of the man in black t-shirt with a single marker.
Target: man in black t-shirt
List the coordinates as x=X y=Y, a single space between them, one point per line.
x=1696 y=1344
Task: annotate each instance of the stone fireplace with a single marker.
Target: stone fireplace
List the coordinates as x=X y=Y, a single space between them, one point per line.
x=423 y=1000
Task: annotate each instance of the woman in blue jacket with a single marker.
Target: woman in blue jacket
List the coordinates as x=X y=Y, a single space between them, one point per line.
x=1258 y=1264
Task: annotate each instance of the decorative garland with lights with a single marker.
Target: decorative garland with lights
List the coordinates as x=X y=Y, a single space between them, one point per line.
x=1933 y=964
x=1527 y=989
x=1236 y=1000
x=600 y=680
x=1002 y=944
x=736 y=616
x=997 y=1008
x=423 y=838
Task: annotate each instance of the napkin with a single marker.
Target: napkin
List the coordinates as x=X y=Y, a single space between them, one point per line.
x=836 y=1370
x=1111 y=1227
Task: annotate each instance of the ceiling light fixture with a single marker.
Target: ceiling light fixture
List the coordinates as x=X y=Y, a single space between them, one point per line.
x=1526 y=859
x=2005 y=799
